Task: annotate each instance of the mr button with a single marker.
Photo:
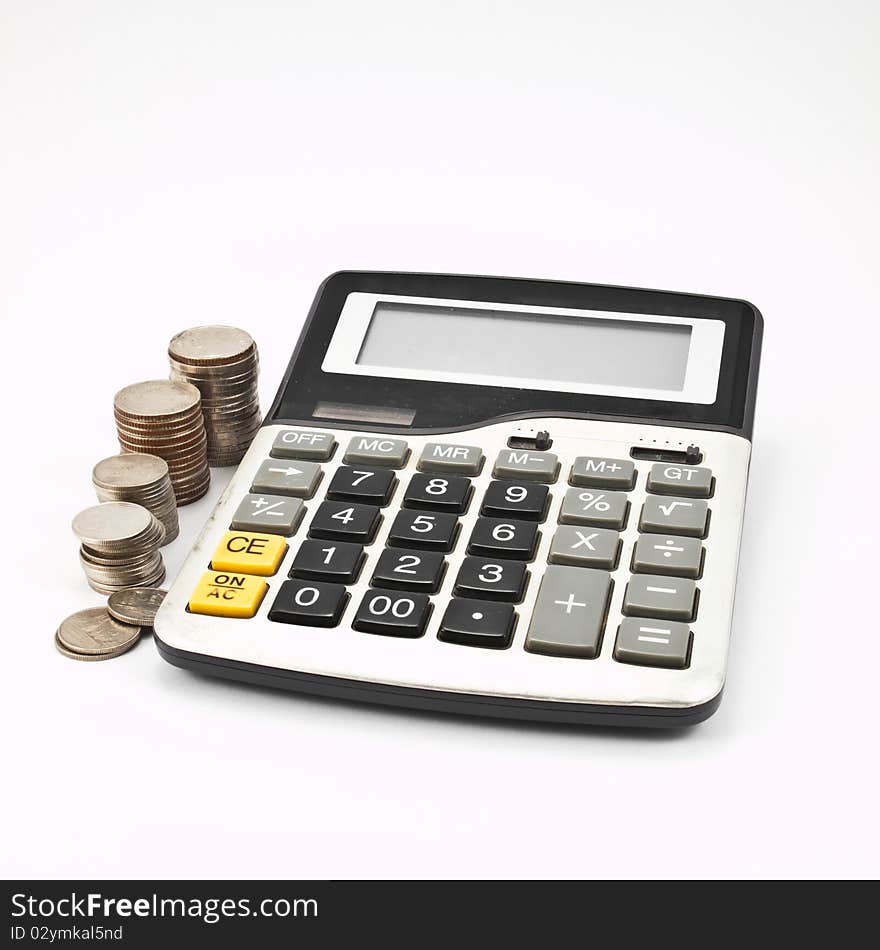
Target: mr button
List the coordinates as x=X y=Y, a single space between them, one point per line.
x=249 y=553
x=227 y=595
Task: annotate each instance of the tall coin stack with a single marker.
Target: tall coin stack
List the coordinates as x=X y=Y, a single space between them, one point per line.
x=163 y=417
x=119 y=546
x=223 y=363
x=143 y=480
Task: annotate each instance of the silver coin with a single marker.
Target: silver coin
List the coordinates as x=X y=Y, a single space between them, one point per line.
x=95 y=632
x=136 y=606
x=210 y=345
x=93 y=657
x=129 y=471
x=111 y=522
x=156 y=399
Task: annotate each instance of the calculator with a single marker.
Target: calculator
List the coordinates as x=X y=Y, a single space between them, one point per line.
x=493 y=496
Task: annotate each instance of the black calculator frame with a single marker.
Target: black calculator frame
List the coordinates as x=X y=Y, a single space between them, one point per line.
x=447 y=407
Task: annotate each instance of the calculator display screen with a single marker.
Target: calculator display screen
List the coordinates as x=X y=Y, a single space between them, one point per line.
x=528 y=345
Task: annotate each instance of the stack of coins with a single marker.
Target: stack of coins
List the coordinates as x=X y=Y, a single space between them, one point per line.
x=163 y=417
x=120 y=546
x=222 y=362
x=142 y=479
x=94 y=635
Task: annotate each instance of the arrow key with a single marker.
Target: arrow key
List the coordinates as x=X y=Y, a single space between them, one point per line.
x=283 y=477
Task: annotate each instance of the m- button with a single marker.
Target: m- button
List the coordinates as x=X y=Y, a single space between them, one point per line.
x=249 y=553
x=530 y=466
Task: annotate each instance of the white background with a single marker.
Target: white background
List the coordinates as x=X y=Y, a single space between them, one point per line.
x=168 y=164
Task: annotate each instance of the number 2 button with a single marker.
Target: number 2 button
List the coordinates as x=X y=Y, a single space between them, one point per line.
x=410 y=570
x=497 y=537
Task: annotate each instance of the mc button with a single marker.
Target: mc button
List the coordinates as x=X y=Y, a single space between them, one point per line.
x=249 y=553
x=219 y=594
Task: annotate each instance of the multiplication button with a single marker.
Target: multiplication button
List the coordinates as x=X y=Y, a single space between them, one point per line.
x=297 y=444
x=585 y=547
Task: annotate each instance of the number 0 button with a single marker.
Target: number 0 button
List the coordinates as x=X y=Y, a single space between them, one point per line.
x=311 y=603
x=392 y=614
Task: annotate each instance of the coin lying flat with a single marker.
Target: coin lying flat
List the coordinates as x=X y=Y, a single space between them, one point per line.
x=93 y=633
x=156 y=399
x=136 y=606
x=210 y=345
x=93 y=657
x=111 y=523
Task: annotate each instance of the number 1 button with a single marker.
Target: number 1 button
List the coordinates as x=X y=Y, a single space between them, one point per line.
x=311 y=603
x=393 y=615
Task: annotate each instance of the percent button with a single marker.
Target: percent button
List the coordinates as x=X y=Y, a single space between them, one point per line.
x=601 y=509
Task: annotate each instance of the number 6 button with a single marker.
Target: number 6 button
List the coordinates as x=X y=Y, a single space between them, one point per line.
x=393 y=615
x=501 y=538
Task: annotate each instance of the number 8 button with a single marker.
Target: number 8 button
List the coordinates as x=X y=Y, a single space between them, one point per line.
x=438 y=493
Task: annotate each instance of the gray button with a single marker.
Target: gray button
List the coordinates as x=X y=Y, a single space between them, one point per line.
x=271 y=514
x=668 y=554
x=592 y=472
x=585 y=547
x=590 y=506
x=680 y=480
x=529 y=466
x=298 y=444
x=569 y=615
x=376 y=450
x=440 y=457
x=688 y=516
x=650 y=595
x=653 y=643
x=283 y=477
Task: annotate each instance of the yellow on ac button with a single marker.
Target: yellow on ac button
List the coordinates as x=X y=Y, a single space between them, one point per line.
x=219 y=594
x=249 y=553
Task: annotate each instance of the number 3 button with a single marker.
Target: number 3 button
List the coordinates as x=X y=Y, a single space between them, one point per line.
x=491 y=580
x=394 y=615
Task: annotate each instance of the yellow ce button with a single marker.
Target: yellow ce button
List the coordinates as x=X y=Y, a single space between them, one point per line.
x=249 y=553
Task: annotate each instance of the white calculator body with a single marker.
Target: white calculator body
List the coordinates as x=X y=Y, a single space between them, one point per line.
x=491 y=496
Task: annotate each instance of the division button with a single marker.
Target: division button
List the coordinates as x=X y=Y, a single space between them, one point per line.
x=653 y=643
x=569 y=615
x=526 y=465
x=372 y=486
x=409 y=570
x=310 y=603
x=585 y=547
x=298 y=444
x=249 y=553
x=337 y=562
x=601 y=509
x=680 y=480
x=287 y=477
x=460 y=459
x=476 y=623
x=667 y=515
x=666 y=598
x=434 y=531
x=220 y=594
x=668 y=554
x=376 y=450
x=504 y=499
x=345 y=521
x=592 y=472
x=491 y=579
x=271 y=514
x=392 y=614
x=438 y=493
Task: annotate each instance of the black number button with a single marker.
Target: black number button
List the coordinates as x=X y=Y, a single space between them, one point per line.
x=337 y=561
x=515 y=500
x=392 y=614
x=345 y=521
x=438 y=493
x=311 y=603
x=476 y=623
x=501 y=537
x=410 y=570
x=491 y=580
x=372 y=486
x=429 y=532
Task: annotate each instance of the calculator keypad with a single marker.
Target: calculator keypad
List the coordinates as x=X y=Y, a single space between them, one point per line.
x=588 y=539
